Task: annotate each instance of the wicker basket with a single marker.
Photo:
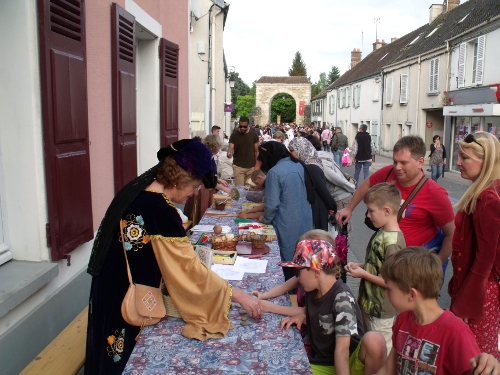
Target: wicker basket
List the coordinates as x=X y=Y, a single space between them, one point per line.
x=258 y=240
x=220 y=204
x=220 y=242
x=170 y=307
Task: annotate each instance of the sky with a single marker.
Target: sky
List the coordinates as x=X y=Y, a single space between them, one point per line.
x=261 y=37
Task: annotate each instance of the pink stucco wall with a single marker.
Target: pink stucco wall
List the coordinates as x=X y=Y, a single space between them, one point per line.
x=173 y=16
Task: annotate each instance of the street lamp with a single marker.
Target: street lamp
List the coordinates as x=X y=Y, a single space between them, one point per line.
x=232 y=80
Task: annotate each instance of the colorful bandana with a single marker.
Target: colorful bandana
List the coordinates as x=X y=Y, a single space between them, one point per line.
x=305 y=151
x=316 y=253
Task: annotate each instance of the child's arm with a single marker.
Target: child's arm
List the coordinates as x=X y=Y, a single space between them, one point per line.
x=251 y=215
x=283 y=310
x=485 y=364
x=359 y=272
x=341 y=355
x=278 y=290
x=389 y=367
x=259 y=208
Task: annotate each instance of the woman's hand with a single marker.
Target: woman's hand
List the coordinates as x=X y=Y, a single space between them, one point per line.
x=252 y=305
x=444 y=161
x=242 y=214
x=286 y=323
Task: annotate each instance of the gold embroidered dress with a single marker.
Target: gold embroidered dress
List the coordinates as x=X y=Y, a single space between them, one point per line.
x=157 y=247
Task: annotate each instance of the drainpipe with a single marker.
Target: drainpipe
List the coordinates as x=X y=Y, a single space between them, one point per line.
x=417 y=109
x=213 y=67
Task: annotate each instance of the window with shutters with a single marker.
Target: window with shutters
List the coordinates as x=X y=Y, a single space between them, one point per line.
x=333 y=104
x=169 y=94
x=123 y=67
x=376 y=93
x=356 y=96
x=403 y=92
x=434 y=75
x=478 y=59
x=63 y=72
x=348 y=96
x=344 y=93
x=388 y=91
x=471 y=62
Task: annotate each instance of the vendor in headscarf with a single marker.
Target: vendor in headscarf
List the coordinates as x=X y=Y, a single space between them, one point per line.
x=157 y=249
x=324 y=204
x=286 y=202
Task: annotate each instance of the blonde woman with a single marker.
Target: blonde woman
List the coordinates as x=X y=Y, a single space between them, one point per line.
x=474 y=288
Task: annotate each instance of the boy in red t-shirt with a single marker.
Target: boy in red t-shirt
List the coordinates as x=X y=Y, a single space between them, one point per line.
x=426 y=338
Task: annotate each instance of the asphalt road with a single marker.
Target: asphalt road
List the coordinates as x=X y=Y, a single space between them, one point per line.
x=360 y=235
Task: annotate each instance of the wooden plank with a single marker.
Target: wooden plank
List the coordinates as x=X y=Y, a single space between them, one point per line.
x=65 y=355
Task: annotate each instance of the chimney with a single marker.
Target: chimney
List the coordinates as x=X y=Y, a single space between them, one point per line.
x=383 y=43
x=355 y=57
x=393 y=39
x=377 y=45
x=450 y=4
x=435 y=10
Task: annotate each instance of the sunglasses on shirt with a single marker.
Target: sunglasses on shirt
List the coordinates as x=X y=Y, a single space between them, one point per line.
x=469 y=138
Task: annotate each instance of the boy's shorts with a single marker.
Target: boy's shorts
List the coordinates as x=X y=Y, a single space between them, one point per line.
x=356 y=367
x=384 y=326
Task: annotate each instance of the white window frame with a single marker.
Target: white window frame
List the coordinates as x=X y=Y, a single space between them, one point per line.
x=462 y=58
x=478 y=63
x=403 y=88
x=434 y=75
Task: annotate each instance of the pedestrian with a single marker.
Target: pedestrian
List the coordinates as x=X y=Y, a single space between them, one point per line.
x=474 y=288
x=158 y=251
x=334 y=323
x=437 y=157
x=323 y=205
x=286 y=199
x=216 y=129
x=243 y=148
x=428 y=219
x=363 y=153
x=278 y=136
x=326 y=138
x=383 y=202
x=339 y=144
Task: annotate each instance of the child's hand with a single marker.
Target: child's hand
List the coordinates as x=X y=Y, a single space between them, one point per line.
x=257 y=294
x=226 y=189
x=242 y=214
x=354 y=270
x=286 y=323
x=260 y=218
x=223 y=182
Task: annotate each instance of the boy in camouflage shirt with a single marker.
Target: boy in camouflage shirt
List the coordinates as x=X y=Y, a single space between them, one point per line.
x=334 y=322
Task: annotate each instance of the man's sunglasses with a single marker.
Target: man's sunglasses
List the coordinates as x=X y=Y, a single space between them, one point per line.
x=469 y=138
x=243 y=127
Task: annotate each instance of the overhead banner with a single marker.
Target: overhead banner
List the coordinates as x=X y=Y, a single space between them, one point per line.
x=228 y=107
x=301 y=107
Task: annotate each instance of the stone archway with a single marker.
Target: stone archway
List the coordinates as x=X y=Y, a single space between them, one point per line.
x=268 y=87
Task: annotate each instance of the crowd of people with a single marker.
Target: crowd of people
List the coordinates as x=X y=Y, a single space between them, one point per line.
x=395 y=326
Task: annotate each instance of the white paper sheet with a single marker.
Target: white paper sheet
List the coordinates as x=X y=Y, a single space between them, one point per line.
x=209 y=228
x=226 y=272
x=250 y=265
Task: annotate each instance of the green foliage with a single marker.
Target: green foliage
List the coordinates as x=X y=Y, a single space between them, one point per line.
x=284 y=105
x=319 y=86
x=333 y=75
x=240 y=89
x=244 y=105
x=298 y=67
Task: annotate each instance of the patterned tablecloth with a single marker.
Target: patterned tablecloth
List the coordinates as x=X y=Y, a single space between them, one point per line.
x=259 y=348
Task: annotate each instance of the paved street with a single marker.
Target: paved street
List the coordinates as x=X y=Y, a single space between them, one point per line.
x=359 y=237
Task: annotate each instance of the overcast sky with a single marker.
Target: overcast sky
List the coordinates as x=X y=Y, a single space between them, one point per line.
x=262 y=36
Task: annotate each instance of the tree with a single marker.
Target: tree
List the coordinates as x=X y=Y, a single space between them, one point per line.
x=240 y=89
x=298 y=67
x=319 y=86
x=284 y=105
x=244 y=105
x=333 y=75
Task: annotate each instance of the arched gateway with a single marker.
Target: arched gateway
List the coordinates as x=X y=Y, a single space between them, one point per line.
x=268 y=87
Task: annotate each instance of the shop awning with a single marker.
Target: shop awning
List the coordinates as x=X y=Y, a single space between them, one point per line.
x=487 y=109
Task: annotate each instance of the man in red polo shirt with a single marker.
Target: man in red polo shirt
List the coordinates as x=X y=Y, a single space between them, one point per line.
x=429 y=219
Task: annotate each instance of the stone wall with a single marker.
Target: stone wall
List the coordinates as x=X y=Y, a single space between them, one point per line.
x=265 y=92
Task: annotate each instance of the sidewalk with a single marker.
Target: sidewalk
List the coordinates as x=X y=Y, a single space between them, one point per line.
x=454 y=177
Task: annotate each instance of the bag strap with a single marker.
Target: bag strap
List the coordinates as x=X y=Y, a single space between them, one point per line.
x=414 y=192
x=126 y=258
x=125 y=253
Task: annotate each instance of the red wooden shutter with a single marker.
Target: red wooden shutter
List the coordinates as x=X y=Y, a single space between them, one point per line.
x=169 y=92
x=124 y=97
x=63 y=75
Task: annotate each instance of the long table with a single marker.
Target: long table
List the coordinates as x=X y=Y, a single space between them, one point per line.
x=259 y=348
